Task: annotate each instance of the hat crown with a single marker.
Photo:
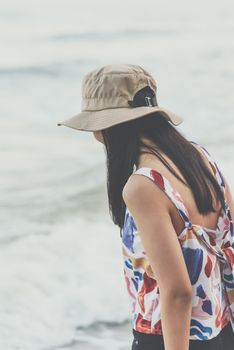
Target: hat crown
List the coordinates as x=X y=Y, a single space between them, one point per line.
x=112 y=86
x=117 y=93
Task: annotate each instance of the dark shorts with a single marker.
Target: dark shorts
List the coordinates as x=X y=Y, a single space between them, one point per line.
x=223 y=341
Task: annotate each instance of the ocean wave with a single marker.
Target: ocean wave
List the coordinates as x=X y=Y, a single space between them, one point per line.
x=107 y=35
x=31 y=70
x=53 y=69
x=104 y=324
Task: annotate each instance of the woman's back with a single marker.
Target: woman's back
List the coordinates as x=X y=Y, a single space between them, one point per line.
x=208 y=246
x=209 y=220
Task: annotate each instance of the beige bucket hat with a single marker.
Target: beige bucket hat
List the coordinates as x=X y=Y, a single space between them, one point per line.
x=114 y=94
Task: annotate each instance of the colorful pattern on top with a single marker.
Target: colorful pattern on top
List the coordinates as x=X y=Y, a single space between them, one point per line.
x=209 y=257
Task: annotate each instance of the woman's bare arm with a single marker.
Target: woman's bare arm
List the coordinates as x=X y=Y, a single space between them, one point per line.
x=149 y=207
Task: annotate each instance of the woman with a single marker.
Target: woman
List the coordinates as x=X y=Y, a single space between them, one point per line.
x=175 y=219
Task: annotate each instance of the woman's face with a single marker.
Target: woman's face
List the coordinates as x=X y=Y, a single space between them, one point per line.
x=98 y=136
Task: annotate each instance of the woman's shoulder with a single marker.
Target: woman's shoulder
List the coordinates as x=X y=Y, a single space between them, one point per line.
x=141 y=188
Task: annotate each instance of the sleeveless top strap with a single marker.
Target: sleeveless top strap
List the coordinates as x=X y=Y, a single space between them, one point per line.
x=165 y=185
x=222 y=242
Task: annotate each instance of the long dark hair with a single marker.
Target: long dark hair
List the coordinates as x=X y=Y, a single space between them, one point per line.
x=123 y=146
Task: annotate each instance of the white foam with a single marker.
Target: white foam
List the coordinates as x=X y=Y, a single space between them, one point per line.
x=53 y=283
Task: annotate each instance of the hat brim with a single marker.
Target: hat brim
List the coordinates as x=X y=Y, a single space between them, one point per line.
x=102 y=119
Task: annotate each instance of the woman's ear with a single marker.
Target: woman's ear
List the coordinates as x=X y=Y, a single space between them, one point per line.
x=98 y=136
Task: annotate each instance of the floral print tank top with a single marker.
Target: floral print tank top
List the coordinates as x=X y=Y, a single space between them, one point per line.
x=209 y=258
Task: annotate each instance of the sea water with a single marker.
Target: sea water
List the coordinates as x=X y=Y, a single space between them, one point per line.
x=62 y=283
